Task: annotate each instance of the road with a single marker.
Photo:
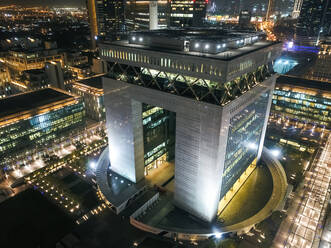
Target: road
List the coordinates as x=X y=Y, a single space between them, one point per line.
x=304 y=223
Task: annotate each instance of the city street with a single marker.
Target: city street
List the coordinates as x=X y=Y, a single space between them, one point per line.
x=304 y=223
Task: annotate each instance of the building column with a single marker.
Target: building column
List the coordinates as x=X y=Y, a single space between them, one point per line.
x=153 y=15
x=125 y=132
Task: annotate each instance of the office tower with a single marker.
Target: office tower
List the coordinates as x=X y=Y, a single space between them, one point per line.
x=270 y=9
x=187 y=13
x=92 y=15
x=313 y=21
x=232 y=7
x=36 y=118
x=326 y=19
x=144 y=15
x=106 y=19
x=55 y=74
x=213 y=99
x=297 y=8
x=245 y=18
x=320 y=70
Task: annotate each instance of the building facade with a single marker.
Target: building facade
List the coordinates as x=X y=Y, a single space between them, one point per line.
x=33 y=119
x=297 y=8
x=187 y=13
x=91 y=91
x=305 y=100
x=106 y=19
x=55 y=74
x=32 y=59
x=313 y=21
x=217 y=106
x=321 y=69
x=145 y=15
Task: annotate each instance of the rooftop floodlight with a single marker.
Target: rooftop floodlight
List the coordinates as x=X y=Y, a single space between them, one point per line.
x=275 y=153
x=252 y=145
x=218 y=235
x=93 y=165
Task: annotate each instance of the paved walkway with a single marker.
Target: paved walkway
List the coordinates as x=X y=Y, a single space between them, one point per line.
x=304 y=224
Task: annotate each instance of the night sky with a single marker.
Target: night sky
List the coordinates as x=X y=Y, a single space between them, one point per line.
x=58 y=3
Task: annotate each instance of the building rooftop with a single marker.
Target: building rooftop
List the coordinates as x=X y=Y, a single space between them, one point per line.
x=95 y=82
x=29 y=101
x=207 y=42
x=301 y=82
x=35 y=71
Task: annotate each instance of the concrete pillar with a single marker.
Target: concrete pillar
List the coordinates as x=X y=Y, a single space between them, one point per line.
x=124 y=127
x=153 y=15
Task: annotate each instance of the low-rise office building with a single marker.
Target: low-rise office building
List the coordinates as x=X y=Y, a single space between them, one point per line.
x=91 y=91
x=22 y=60
x=33 y=119
x=304 y=100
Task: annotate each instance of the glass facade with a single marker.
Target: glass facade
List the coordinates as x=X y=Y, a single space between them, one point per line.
x=243 y=141
x=94 y=103
x=40 y=129
x=159 y=127
x=303 y=106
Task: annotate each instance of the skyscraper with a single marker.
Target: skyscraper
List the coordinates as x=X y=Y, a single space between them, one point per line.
x=187 y=13
x=208 y=91
x=144 y=15
x=106 y=18
x=313 y=20
x=297 y=8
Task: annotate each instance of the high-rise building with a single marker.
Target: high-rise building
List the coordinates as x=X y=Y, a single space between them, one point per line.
x=106 y=19
x=326 y=19
x=245 y=18
x=313 y=21
x=92 y=15
x=36 y=118
x=187 y=13
x=297 y=8
x=200 y=95
x=320 y=70
x=232 y=7
x=144 y=15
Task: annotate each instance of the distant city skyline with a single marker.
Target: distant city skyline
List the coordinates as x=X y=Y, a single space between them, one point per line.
x=69 y=3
